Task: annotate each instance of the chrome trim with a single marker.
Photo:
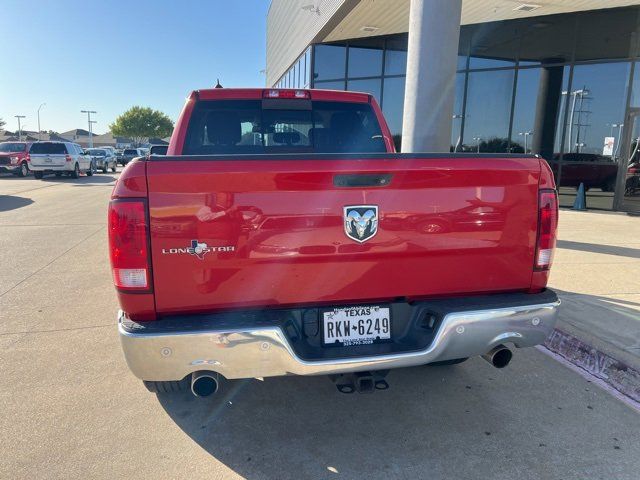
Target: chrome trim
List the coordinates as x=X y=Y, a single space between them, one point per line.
x=265 y=351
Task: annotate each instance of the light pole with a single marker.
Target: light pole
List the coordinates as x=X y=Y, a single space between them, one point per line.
x=575 y=94
x=458 y=117
x=39 y=131
x=619 y=140
x=19 y=127
x=89 y=112
x=526 y=136
x=477 y=139
x=91 y=122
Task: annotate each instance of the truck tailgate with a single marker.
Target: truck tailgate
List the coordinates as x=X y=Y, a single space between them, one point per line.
x=274 y=229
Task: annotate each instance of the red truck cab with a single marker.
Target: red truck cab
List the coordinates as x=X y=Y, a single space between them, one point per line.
x=14 y=158
x=282 y=234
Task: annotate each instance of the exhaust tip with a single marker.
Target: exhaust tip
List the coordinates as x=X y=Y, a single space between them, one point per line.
x=499 y=356
x=204 y=384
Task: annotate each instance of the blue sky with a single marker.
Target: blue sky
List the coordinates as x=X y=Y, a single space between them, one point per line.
x=108 y=55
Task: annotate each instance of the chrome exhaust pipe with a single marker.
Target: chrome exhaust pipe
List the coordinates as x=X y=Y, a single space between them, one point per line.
x=204 y=384
x=499 y=356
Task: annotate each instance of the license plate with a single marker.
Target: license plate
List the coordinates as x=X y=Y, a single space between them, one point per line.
x=356 y=325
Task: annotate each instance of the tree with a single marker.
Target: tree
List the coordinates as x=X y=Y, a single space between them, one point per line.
x=141 y=123
x=2 y=124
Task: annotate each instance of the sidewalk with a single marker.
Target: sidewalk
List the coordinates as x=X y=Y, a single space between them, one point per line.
x=596 y=272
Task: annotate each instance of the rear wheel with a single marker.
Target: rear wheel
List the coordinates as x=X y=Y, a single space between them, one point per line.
x=76 y=171
x=38 y=175
x=24 y=169
x=92 y=169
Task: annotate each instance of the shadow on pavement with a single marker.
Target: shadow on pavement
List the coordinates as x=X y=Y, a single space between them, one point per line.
x=302 y=427
x=83 y=180
x=594 y=248
x=11 y=202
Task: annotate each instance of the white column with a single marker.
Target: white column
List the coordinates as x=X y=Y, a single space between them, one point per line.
x=434 y=31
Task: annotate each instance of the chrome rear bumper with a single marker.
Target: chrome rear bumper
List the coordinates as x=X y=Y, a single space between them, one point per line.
x=265 y=351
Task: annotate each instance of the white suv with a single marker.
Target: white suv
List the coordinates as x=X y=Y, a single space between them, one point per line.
x=59 y=158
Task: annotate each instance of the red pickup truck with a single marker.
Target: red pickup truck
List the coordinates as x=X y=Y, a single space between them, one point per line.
x=282 y=235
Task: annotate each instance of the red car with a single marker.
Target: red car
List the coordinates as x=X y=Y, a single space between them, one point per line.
x=14 y=158
x=282 y=235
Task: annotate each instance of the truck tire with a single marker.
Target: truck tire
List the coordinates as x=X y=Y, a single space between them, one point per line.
x=169 y=387
x=24 y=170
x=76 y=172
x=38 y=175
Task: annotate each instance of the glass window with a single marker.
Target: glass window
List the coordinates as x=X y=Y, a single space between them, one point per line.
x=371 y=86
x=50 y=148
x=524 y=111
x=635 y=91
x=333 y=85
x=395 y=61
x=329 y=62
x=548 y=39
x=364 y=62
x=493 y=45
x=607 y=34
x=463 y=46
x=456 y=127
x=250 y=126
x=392 y=106
x=595 y=102
x=488 y=111
x=12 y=147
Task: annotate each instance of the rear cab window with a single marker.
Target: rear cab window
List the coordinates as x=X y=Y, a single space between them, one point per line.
x=48 y=148
x=282 y=126
x=13 y=147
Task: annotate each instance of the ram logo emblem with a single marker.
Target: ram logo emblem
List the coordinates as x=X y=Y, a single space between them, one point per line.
x=361 y=222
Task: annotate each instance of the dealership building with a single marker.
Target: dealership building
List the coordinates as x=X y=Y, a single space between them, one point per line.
x=558 y=78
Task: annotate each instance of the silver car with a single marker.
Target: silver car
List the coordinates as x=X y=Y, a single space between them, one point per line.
x=103 y=158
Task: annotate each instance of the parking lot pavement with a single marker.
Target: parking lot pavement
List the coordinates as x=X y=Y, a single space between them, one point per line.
x=71 y=409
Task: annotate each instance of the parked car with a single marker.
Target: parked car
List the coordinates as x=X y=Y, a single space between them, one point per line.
x=14 y=158
x=103 y=158
x=60 y=158
x=129 y=154
x=593 y=170
x=319 y=250
x=158 y=149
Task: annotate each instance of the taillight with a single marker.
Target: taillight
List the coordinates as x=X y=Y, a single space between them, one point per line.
x=275 y=93
x=129 y=245
x=547 y=226
x=68 y=158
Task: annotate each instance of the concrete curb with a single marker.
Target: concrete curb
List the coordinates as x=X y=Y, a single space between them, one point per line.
x=618 y=375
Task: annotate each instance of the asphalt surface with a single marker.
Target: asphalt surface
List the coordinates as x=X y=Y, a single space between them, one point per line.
x=71 y=409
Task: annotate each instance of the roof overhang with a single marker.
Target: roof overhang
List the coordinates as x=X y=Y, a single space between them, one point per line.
x=369 y=18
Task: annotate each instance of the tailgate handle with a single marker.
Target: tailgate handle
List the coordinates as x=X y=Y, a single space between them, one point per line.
x=362 y=180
